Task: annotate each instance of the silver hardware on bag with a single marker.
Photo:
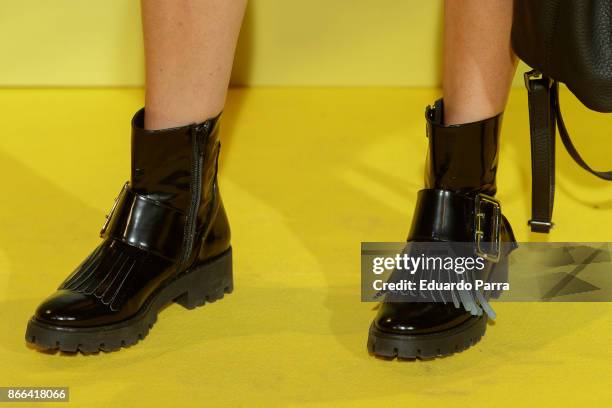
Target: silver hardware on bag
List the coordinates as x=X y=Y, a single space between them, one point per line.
x=480 y=201
x=546 y=224
x=109 y=216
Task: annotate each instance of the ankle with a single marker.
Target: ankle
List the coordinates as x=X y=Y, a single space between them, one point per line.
x=469 y=109
x=157 y=118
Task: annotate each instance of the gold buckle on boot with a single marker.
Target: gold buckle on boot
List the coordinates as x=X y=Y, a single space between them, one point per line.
x=483 y=205
x=109 y=216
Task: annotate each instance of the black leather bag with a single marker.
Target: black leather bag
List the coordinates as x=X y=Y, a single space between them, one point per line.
x=568 y=41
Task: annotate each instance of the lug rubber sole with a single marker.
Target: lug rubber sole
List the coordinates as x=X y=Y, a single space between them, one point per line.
x=427 y=346
x=205 y=283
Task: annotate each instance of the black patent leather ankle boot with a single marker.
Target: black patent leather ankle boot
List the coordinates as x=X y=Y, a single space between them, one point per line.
x=166 y=239
x=459 y=188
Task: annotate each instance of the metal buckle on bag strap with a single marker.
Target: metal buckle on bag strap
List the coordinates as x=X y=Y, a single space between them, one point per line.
x=528 y=76
x=535 y=75
x=481 y=202
x=109 y=216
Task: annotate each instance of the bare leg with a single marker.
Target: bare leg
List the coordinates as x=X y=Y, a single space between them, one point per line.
x=189 y=51
x=478 y=60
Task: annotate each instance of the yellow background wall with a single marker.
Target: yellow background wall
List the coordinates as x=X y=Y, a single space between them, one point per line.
x=283 y=43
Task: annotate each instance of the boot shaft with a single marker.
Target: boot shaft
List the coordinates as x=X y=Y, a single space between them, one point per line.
x=178 y=168
x=167 y=162
x=464 y=157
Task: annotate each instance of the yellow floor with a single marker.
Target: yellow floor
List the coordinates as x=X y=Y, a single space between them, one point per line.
x=307 y=175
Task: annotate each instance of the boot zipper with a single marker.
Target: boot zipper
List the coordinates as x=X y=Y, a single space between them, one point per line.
x=196 y=189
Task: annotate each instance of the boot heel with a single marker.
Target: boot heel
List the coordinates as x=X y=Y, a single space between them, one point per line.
x=208 y=283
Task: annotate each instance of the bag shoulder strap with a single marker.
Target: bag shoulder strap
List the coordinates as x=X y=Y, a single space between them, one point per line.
x=542 y=129
x=544 y=114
